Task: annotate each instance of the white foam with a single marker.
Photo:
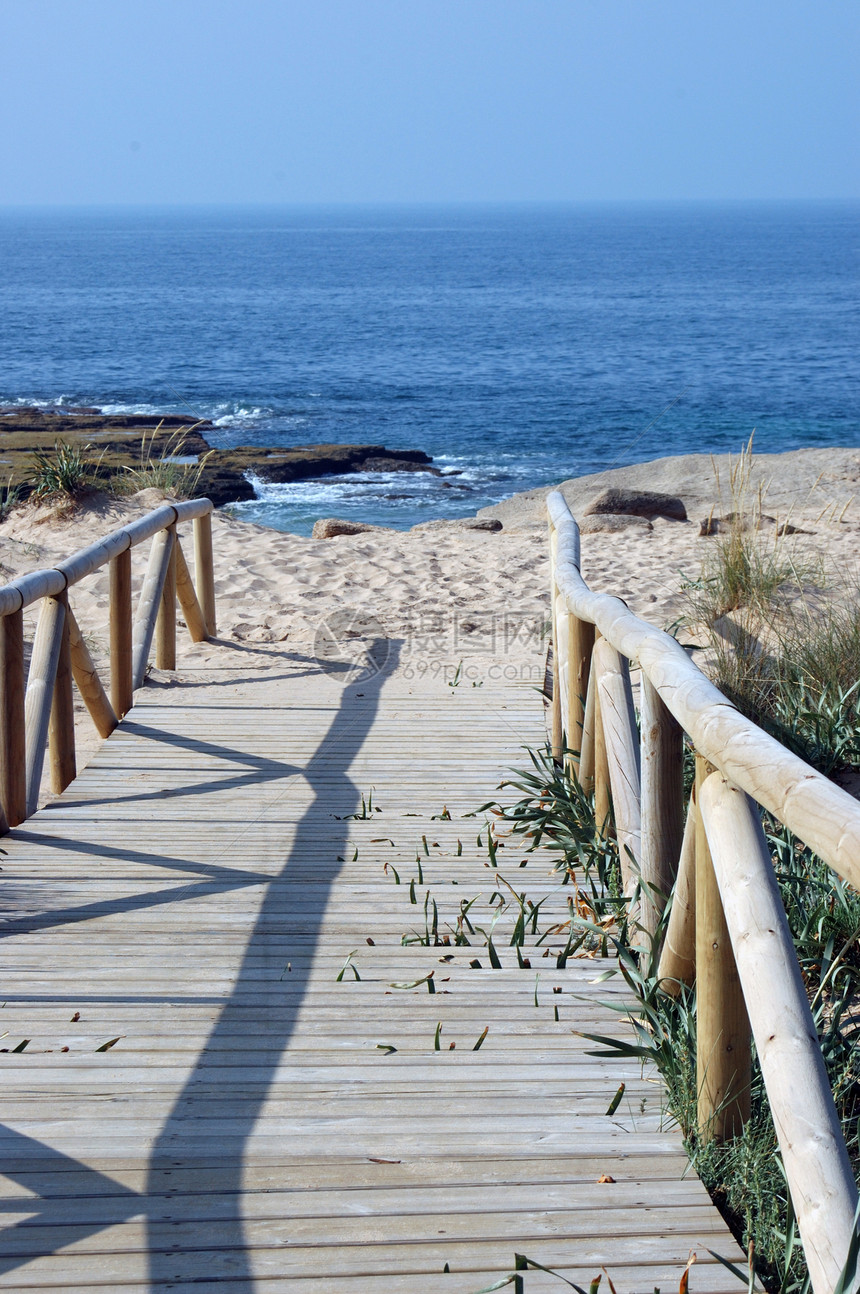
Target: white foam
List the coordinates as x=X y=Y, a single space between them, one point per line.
x=135 y=410
x=353 y=487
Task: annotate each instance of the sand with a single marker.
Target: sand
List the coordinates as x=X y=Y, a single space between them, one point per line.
x=437 y=599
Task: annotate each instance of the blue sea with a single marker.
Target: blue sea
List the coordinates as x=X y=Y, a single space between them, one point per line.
x=517 y=345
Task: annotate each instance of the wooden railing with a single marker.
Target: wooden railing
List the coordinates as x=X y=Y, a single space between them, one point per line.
x=38 y=711
x=727 y=926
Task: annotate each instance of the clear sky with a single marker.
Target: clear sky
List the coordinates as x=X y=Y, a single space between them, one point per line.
x=130 y=101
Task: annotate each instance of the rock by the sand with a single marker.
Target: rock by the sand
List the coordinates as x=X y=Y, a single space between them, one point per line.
x=613 y=521
x=744 y=523
x=491 y=524
x=637 y=503
x=328 y=527
x=151 y=497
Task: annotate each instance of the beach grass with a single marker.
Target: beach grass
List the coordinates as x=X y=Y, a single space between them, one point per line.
x=782 y=631
x=160 y=466
x=71 y=470
x=65 y=472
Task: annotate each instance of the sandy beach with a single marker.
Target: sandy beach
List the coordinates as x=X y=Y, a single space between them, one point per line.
x=441 y=595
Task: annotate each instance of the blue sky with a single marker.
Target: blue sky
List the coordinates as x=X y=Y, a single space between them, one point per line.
x=126 y=101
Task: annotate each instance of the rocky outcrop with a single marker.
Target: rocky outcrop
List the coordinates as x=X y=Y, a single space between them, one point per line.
x=224 y=478
x=120 y=441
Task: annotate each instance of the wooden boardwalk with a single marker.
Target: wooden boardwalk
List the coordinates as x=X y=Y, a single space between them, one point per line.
x=202 y=1102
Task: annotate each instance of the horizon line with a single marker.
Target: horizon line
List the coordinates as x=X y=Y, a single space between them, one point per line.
x=376 y=204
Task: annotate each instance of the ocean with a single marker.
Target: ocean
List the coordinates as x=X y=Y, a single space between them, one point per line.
x=517 y=345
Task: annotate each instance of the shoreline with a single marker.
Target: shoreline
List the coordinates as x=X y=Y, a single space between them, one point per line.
x=331 y=476
x=802 y=482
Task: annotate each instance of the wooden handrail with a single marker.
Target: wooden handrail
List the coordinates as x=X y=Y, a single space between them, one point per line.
x=727 y=924
x=816 y=1161
x=43 y=712
x=48 y=583
x=622 y=753
x=818 y=812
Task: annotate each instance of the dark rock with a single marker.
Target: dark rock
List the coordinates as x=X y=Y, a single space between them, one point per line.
x=491 y=524
x=397 y=465
x=461 y=523
x=308 y=462
x=91 y=425
x=637 y=503
x=224 y=485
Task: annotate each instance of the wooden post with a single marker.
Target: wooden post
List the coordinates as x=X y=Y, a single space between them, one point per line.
x=723 y=1064
x=194 y=617
x=120 y=633
x=150 y=601
x=204 y=570
x=38 y=701
x=678 y=958
x=556 y=729
x=13 y=781
x=813 y=1149
x=586 y=757
x=165 y=628
x=88 y=682
x=622 y=754
x=662 y=751
x=579 y=649
x=61 y=728
x=602 y=796
x=562 y=620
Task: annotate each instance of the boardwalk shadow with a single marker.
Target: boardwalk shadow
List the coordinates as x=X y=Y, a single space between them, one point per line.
x=205 y=1137
x=217 y=1111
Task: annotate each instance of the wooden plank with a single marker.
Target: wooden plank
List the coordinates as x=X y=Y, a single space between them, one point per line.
x=88 y=682
x=185 y=591
x=149 y=603
x=61 y=728
x=723 y=1063
x=38 y=700
x=165 y=624
x=13 y=781
x=662 y=765
x=204 y=571
x=121 y=668
x=186 y=896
